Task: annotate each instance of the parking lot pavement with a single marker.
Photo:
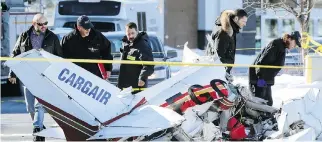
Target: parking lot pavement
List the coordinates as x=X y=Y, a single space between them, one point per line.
x=16 y=124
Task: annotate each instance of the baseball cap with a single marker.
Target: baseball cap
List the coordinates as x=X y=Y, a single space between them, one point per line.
x=84 y=22
x=297 y=37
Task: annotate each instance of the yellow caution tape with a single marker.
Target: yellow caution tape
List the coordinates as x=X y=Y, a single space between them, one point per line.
x=121 y=53
x=163 y=52
x=316 y=51
x=306 y=39
x=137 y=89
x=151 y=63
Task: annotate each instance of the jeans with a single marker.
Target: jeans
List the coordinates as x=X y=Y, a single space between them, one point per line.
x=35 y=109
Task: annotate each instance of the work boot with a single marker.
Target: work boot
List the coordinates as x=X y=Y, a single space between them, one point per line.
x=38 y=138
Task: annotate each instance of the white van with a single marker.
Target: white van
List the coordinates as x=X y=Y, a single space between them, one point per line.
x=112 y=15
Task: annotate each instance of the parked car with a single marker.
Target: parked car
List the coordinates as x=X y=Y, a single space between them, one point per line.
x=161 y=72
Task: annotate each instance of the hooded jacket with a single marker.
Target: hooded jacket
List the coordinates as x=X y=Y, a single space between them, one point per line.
x=225 y=38
x=138 y=50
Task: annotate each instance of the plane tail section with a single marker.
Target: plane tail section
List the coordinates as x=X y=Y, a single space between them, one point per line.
x=79 y=101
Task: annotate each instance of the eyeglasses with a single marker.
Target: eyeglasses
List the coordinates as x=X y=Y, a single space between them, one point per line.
x=41 y=24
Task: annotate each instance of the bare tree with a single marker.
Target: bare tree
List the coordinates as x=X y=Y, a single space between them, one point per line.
x=299 y=8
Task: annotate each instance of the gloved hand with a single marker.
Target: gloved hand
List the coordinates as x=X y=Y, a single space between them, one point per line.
x=229 y=77
x=261 y=83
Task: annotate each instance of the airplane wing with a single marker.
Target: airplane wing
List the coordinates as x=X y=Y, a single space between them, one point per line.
x=143 y=121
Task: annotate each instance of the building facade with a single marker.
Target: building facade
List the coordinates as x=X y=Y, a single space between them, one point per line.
x=181 y=22
x=191 y=20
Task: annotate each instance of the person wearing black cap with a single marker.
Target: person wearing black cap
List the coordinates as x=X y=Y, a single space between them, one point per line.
x=85 y=42
x=261 y=79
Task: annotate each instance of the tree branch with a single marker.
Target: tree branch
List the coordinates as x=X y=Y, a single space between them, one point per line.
x=289 y=8
x=296 y=2
x=251 y=3
x=311 y=4
x=308 y=18
x=281 y=4
x=295 y=12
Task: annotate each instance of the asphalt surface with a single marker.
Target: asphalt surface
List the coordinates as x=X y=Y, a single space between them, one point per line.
x=16 y=123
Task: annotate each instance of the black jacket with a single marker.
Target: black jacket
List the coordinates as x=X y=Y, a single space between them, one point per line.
x=225 y=38
x=140 y=50
x=94 y=46
x=273 y=55
x=50 y=44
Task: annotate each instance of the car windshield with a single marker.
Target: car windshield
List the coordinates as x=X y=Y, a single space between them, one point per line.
x=117 y=44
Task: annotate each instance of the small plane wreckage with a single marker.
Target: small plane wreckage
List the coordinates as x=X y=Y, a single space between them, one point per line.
x=195 y=105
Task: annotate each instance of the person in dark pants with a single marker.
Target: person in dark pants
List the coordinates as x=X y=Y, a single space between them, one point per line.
x=261 y=79
x=40 y=38
x=136 y=47
x=225 y=38
x=85 y=42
